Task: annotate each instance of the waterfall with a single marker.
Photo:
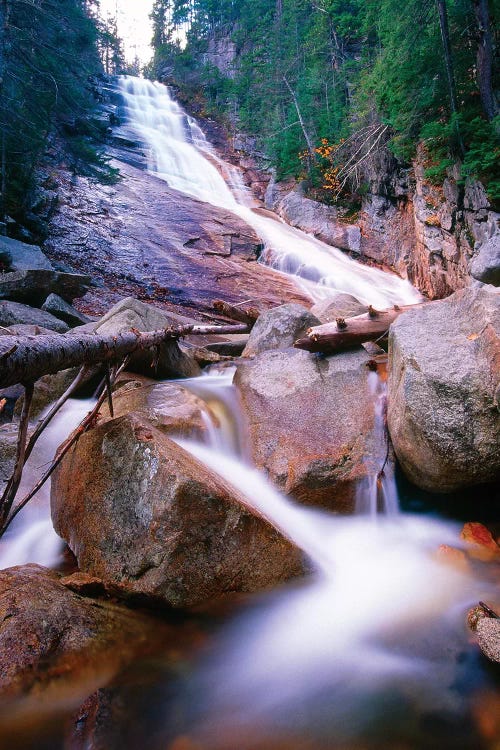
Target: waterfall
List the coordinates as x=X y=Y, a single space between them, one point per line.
x=179 y=153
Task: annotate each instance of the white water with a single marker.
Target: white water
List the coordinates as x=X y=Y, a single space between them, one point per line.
x=31 y=537
x=180 y=154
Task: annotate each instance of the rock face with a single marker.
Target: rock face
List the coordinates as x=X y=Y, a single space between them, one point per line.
x=310 y=422
x=18 y=256
x=206 y=253
x=279 y=328
x=169 y=360
x=139 y=511
x=444 y=389
x=52 y=638
x=488 y=638
x=13 y=313
x=425 y=232
x=314 y=218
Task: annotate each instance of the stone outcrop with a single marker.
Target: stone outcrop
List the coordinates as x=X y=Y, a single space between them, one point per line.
x=485 y=265
x=56 y=642
x=444 y=390
x=205 y=252
x=138 y=510
x=323 y=221
x=279 y=328
x=32 y=287
x=311 y=423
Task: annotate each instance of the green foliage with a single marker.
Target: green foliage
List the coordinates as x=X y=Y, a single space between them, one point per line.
x=48 y=53
x=331 y=68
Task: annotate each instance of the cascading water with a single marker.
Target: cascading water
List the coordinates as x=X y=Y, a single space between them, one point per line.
x=180 y=154
x=31 y=538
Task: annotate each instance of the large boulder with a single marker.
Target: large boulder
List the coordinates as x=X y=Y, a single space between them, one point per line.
x=32 y=287
x=339 y=305
x=444 y=390
x=18 y=256
x=169 y=407
x=13 y=313
x=169 y=360
x=311 y=423
x=485 y=266
x=279 y=328
x=54 y=639
x=139 y=511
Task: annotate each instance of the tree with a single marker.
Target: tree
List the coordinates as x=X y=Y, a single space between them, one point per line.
x=48 y=50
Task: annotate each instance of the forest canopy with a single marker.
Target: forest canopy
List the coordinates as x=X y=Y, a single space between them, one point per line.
x=310 y=77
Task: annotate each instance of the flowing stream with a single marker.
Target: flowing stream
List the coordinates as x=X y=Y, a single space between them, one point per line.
x=180 y=154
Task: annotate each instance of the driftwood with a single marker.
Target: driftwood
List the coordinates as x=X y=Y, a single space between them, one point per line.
x=246 y=315
x=24 y=359
x=349 y=332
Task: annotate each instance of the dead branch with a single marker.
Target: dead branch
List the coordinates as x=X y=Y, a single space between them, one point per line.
x=247 y=315
x=12 y=486
x=350 y=332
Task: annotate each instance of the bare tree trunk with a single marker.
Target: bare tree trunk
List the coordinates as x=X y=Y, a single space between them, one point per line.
x=24 y=359
x=448 y=61
x=485 y=59
x=310 y=146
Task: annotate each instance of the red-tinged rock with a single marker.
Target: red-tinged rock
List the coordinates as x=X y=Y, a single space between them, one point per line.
x=483 y=546
x=142 y=514
x=454 y=557
x=54 y=641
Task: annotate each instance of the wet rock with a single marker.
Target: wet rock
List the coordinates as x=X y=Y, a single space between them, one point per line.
x=338 y=306
x=139 y=511
x=485 y=266
x=14 y=313
x=488 y=637
x=167 y=406
x=32 y=287
x=56 y=306
x=207 y=252
x=310 y=422
x=18 y=256
x=443 y=385
x=52 y=639
x=279 y=328
x=169 y=361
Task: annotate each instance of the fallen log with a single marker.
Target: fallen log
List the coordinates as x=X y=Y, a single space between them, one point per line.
x=24 y=359
x=246 y=315
x=349 y=333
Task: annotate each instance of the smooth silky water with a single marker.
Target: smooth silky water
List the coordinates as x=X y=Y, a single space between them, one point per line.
x=370 y=649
